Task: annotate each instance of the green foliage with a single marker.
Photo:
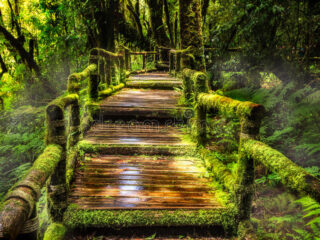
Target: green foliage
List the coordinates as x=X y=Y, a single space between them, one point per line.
x=21 y=141
x=273 y=179
x=292 y=117
x=225 y=133
x=312 y=210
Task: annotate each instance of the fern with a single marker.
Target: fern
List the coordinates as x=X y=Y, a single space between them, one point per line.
x=312 y=209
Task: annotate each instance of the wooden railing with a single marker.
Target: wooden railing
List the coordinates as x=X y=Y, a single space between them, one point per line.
x=251 y=150
x=104 y=75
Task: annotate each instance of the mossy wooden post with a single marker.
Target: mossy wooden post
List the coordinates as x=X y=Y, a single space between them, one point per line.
x=94 y=76
x=74 y=124
x=56 y=134
x=191 y=34
x=122 y=69
x=109 y=71
x=144 y=60
x=200 y=82
x=178 y=62
x=250 y=120
x=186 y=82
x=127 y=59
x=101 y=69
x=171 y=62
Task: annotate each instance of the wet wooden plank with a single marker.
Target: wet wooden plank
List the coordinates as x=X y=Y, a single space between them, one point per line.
x=135 y=135
x=138 y=193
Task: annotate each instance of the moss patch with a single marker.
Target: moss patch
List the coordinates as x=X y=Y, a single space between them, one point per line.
x=55 y=231
x=85 y=146
x=230 y=107
x=153 y=84
x=78 y=218
x=109 y=91
x=291 y=174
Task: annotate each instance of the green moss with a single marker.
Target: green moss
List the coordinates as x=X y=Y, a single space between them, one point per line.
x=153 y=84
x=111 y=90
x=75 y=79
x=78 y=218
x=70 y=164
x=220 y=171
x=291 y=174
x=230 y=107
x=63 y=101
x=55 y=231
x=85 y=146
x=48 y=160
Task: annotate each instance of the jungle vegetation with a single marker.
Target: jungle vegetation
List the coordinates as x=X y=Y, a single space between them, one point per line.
x=265 y=51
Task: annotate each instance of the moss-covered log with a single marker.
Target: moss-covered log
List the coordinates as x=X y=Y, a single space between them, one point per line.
x=77 y=218
x=56 y=231
x=75 y=79
x=220 y=171
x=154 y=84
x=55 y=119
x=104 y=53
x=21 y=199
x=191 y=33
x=111 y=90
x=293 y=176
x=229 y=107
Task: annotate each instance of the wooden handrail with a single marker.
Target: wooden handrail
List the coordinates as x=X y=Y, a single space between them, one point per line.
x=21 y=200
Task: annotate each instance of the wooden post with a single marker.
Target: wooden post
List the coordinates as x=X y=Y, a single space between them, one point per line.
x=56 y=134
x=74 y=123
x=171 y=62
x=127 y=59
x=102 y=73
x=94 y=76
x=109 y=71
x=144 y=61
x=201 y=86
x=245 y=176
x=178 y=62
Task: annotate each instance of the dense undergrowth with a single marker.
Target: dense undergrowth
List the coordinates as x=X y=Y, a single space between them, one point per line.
x=291 y=126
x=21 y=141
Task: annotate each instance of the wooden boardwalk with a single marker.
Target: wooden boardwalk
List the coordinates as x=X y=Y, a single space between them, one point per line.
x=119 y=181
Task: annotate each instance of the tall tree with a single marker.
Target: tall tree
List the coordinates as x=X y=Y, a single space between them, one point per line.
x=191 y=33
x=157 y=24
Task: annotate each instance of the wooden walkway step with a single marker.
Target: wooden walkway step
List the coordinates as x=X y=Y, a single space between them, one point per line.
x=143 y=104
x=155 y=80
x=136 y=134
x=140 y=182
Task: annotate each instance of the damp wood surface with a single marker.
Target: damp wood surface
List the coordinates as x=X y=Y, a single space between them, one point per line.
x=111 y=175
x=135 y=134
x=141 y=182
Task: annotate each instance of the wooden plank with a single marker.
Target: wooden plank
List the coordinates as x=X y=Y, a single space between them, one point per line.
x=136 y=193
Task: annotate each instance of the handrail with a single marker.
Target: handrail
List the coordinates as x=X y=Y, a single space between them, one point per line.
x=20 y=201
x=250 y=149
x=58 y=159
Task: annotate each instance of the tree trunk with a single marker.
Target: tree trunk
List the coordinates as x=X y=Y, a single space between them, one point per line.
x=157 y=25
x=191 y=33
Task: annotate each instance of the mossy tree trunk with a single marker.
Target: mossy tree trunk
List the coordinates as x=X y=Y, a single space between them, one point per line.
x=191 y=33
x=157 y=24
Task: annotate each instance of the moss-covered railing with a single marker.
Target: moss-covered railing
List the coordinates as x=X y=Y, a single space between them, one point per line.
x=67 y=118
x=251 y=150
